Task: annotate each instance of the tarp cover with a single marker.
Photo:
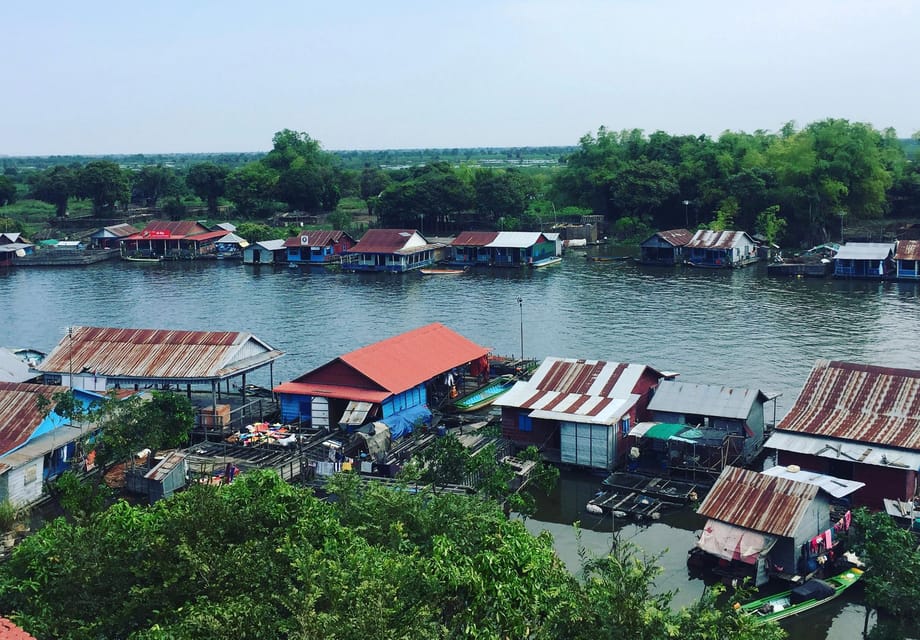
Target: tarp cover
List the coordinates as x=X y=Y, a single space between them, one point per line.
x=406 y=420
x=734 y=543
x=665 y=430
x=812 y=590
x=376 y=438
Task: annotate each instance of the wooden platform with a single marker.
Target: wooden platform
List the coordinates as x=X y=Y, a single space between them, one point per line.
x=626 y=504
x=664 y=489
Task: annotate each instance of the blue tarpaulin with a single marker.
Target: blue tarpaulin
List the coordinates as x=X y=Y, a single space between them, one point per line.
x=406 y=420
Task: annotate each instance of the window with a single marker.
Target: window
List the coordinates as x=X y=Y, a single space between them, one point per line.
x=624 y=425
x=524 y=422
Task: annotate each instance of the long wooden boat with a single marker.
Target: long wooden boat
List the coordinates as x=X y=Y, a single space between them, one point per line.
x=607 y=258
x=441 y=272
x=810 y=595
x=545 y=262
x=143 y=259
x=484 y=396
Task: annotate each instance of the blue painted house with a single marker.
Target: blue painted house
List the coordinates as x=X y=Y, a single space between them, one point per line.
x=720 y=249
x=393 y=250
x=502 y=248
x=34 y=447
x=389 y=381
x=318 y=247
x=907 y=260
x=864 y=260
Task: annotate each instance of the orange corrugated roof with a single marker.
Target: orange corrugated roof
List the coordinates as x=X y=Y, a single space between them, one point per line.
x=19 y=414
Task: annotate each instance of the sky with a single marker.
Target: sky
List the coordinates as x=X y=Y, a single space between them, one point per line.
x=185 y=76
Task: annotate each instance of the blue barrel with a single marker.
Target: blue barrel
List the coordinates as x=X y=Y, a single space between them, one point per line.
x=442 y=430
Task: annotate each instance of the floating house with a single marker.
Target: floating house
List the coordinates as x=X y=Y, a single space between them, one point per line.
x=864 y=260
x=230 y=245
x=34 y=446
x=502 y=249
x=173 y=240
x=907 y=260
x=390 y=382
x=264 y=252
x=856 y=422
x=726 y=426
x=762 y=525
x=102 y=358
x=665 y=247
x=393 y=250
x=318 y=247
x=578 y=412
x=720 y=249
x=13 y=245
x=110 y=237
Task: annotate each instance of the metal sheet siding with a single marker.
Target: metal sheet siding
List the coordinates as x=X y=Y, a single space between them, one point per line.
x=706 y=239
x=859 y=402
x=754 y=501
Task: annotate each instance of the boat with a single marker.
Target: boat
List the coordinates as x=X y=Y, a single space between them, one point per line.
x=808 y=595
x=607 y=258
x=546 y=262
x=441 y=272
x=144 y=258
x=484 y=396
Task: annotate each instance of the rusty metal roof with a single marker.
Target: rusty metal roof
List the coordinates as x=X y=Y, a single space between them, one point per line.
x=578 y=390
x=756 y=501
x=317 y=238
x=706 y=239
x=676 y=237
x=157 y=353
x=391 y=241
x=859 y=402
x=19 y=414
x=169 y=230
x=121 y=230
x=474 y=238
x=394 y=365
x=907 y=250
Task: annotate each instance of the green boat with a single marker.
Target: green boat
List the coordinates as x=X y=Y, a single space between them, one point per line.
x=484 y=396
x=806 y=596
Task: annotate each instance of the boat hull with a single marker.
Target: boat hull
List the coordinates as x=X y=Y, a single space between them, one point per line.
x=484 y=396
x=780 y=605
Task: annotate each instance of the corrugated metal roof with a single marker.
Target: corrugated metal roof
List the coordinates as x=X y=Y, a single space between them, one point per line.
x=19 y=414
x=676 y=237
x=396 y=364
x=875 y=454
x=121 y=230
x=859 y=402
x=175 y=229
x=836 y=487
x=158 y=353
x=577 y=390
x=907 y=250
x=673 y=396
x=389 y=241
x=271 y=245
x=232 y=238
x=474 y=238
x=517 y=239
x=316 y=238
x=10 y=236
x=325 y=390
x=755 y=501
x=13 y=368
x=706 y=239
x=865 y=251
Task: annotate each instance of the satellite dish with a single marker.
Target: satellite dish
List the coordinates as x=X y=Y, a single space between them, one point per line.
x=20 y=253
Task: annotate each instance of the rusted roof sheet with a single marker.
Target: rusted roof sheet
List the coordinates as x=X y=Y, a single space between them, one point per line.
x=756 y=501
x=474 y=238
x=907 y=250
x=859 y=402
x=676 y=237
x=578 y=390
x=391 y=241
x=157 y=353
x=170 y=230
x=19 y=414
x=706 y=239
x=316 y=238
x=395 y=364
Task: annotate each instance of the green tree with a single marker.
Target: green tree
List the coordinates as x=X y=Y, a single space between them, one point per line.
x=153 y=182
x=770 y=225
x=7 y=191
x=255 y=232
x=252 y=189
x=55 y=186
x=207 y=180
x=105 y=183
x=725 y=215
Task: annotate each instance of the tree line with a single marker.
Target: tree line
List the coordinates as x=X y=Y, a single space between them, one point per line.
x=793 y=186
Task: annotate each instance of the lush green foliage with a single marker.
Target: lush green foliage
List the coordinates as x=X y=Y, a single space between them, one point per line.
x=103 y=182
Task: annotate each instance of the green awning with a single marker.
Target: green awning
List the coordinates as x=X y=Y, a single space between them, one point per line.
x=664 y=430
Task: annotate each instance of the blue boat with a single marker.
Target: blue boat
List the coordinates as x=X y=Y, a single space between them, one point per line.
x=483 y=396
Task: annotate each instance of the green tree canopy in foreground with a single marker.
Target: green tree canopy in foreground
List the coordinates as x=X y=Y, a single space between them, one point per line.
x=262 y=559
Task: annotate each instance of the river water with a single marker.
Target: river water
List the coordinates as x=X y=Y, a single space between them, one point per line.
x=737 y=328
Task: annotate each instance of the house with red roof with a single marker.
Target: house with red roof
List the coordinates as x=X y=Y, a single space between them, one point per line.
x=318 y=247
x=393 y=250
x=720 y=249
x=907 y=260
x=390 y=381
x=856 y=422
x=501 y=248
x=665 y=247
x=34 y=446
x=110 y=237
x=172 y=240
x=579 y=412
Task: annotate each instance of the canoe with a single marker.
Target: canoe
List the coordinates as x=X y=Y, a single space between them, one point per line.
x=142 y=259
x=484 y=396
x=807 y=596
x=441 y=272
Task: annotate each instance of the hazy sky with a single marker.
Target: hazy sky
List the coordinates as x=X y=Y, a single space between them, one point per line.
x=98 y=77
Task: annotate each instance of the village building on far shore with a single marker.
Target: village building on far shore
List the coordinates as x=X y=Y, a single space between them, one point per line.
x=665 y=247
x=856 y=422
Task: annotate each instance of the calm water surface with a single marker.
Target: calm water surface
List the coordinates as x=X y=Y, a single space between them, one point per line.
x=738 y=328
